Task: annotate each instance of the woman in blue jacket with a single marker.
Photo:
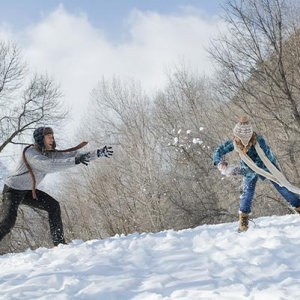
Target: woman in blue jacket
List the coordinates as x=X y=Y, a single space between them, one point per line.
x=257 y=161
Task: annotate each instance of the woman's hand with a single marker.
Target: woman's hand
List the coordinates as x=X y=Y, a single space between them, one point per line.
x=222 y=166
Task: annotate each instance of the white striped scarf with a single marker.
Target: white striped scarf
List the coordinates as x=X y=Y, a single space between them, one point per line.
x=275 y=175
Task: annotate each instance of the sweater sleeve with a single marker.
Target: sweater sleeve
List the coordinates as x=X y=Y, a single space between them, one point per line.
x=54 y=162
x=221 y=151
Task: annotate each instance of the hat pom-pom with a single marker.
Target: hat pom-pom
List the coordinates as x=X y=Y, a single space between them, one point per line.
x=244 y=120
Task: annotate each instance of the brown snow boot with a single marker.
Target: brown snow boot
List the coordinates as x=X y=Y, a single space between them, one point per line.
x=243 y=222
x=297 y=209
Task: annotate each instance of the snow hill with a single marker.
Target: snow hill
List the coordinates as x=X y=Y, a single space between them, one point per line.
x=208 y=262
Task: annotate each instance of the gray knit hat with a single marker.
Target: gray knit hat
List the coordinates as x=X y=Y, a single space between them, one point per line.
x=243 y=130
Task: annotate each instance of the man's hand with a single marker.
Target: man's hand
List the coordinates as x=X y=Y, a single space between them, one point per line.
x=105 y=151
x=83 y=158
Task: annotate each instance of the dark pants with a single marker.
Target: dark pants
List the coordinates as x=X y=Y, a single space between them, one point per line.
x=13 y=198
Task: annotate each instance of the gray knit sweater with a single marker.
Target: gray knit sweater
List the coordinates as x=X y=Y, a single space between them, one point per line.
x=41 y=164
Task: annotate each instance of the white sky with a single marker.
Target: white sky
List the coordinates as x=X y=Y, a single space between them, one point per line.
x=206 y=263
x=77 y=50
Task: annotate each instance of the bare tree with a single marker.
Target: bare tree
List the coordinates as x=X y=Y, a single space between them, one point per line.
x=258 y=59
x=121 y=191
x=184 y=124
x=24 y=102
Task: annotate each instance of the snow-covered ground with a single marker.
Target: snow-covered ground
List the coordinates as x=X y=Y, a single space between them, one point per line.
x=208 y=262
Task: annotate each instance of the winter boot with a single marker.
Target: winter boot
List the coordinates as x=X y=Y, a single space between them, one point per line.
x=243 y=222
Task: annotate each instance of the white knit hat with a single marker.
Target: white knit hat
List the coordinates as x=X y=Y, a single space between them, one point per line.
x=243 y=130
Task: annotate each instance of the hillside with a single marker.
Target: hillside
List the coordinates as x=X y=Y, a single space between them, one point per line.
x=208 y=262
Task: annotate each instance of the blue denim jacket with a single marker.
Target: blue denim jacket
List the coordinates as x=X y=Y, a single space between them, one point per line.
x=228 y=146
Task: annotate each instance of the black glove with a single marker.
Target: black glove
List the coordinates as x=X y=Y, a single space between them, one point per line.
x=82 y=158
x=105 y=151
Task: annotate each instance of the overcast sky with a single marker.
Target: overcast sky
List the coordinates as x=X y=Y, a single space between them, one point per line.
x=77 y=42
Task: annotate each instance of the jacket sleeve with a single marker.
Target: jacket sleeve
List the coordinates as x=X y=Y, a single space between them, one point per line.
x=221 y=151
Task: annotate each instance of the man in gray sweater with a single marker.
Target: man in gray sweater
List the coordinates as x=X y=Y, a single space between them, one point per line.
x=37 y=161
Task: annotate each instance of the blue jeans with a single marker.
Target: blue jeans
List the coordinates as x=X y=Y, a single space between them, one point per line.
x=249 y=189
